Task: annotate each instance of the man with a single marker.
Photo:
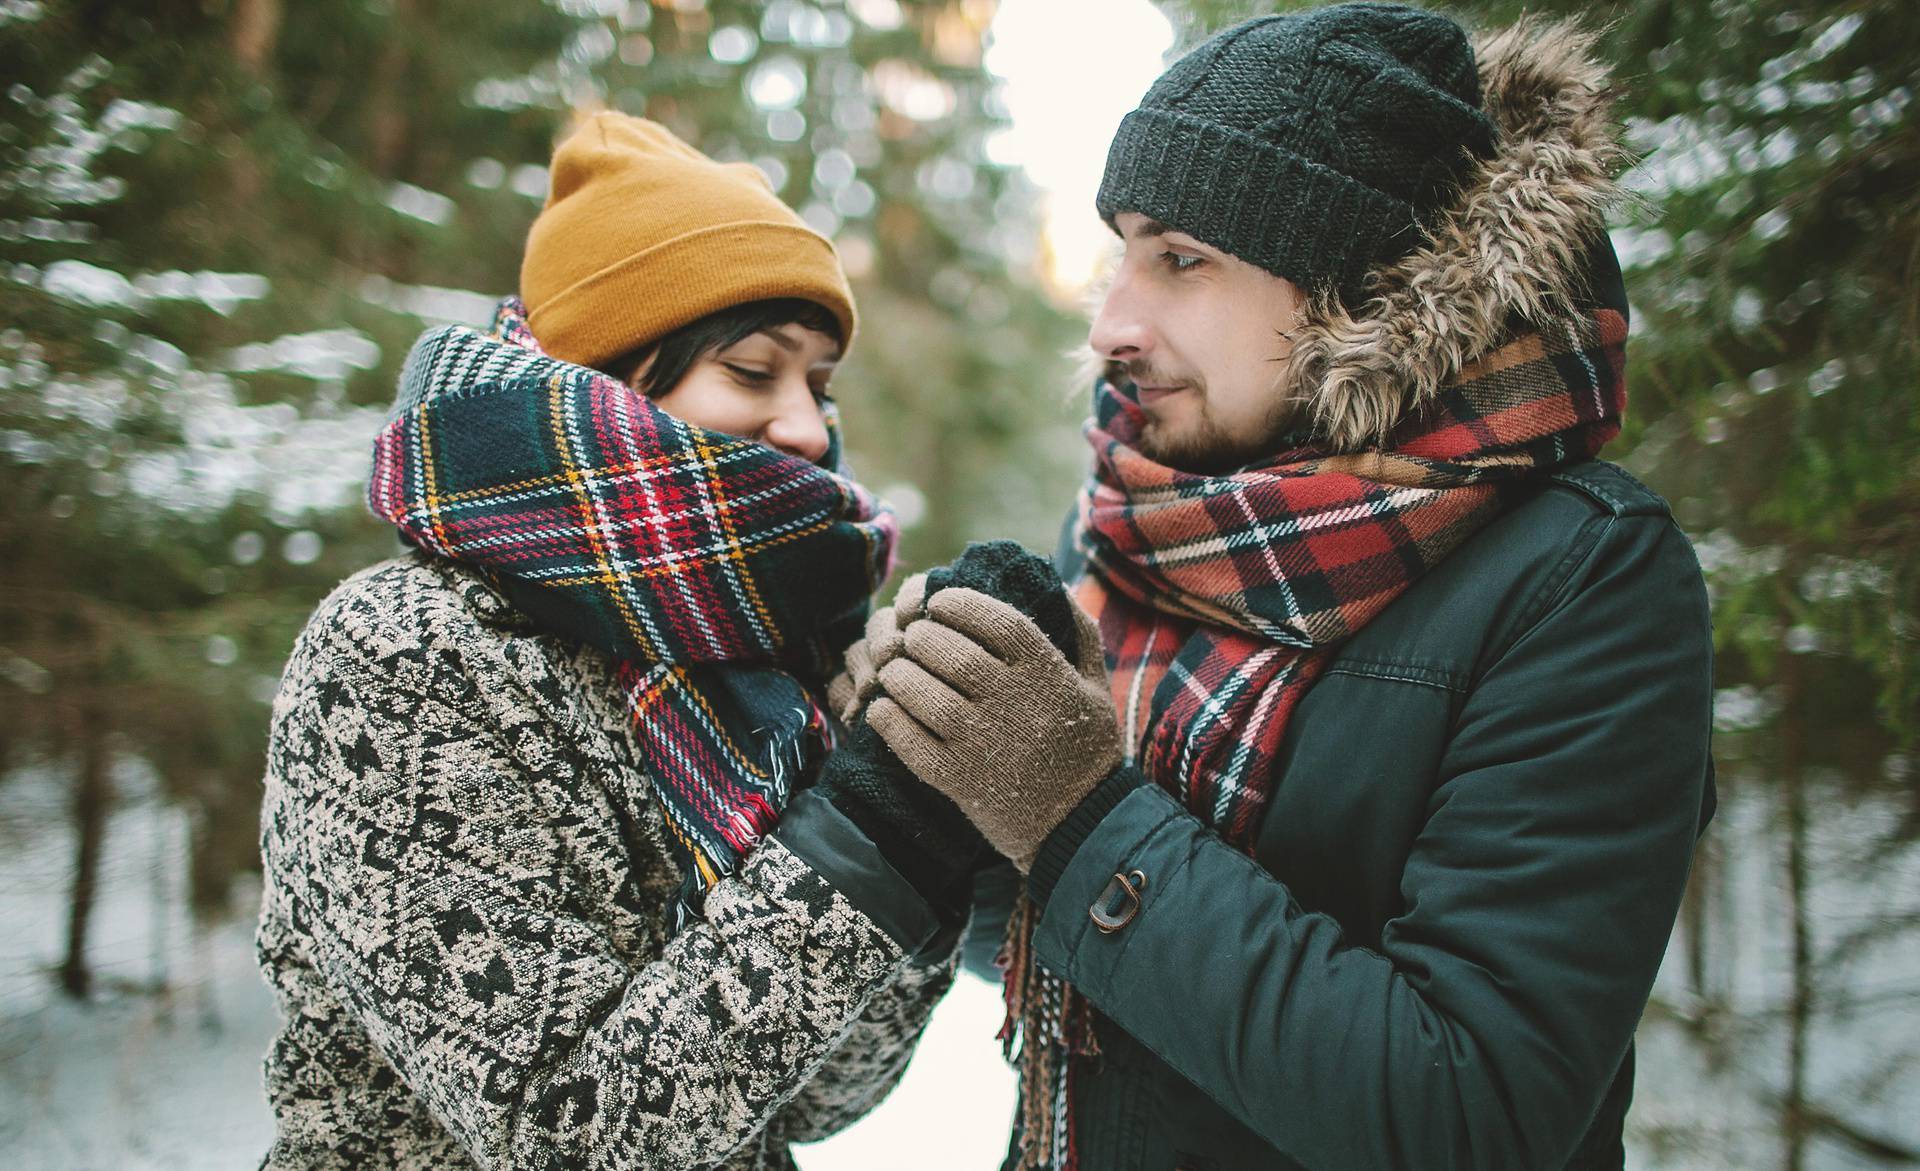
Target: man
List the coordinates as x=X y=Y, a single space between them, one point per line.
x=1361 y=847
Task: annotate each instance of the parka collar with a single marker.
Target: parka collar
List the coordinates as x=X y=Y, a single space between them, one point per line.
x=1513 y=244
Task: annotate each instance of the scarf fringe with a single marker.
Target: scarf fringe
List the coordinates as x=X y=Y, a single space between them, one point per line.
x=1045 y=1017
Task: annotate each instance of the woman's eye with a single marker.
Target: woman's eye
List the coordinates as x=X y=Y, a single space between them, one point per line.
x=1180 y=261
x=749 y=374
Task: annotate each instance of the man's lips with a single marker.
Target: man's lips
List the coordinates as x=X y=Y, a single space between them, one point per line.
x=1153 y=394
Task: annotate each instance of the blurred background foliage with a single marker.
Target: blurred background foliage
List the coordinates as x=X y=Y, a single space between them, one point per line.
x=222 y=222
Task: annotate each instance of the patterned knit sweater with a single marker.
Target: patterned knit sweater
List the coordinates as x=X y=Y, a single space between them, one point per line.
x=464 y=920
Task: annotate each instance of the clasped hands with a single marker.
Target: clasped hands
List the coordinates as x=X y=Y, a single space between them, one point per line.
x=972 y=696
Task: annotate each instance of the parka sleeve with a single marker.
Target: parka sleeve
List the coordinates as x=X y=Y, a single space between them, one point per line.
x=433 y=893
x=1486 y=1026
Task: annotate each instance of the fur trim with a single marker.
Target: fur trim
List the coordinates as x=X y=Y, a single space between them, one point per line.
x=1509 y=246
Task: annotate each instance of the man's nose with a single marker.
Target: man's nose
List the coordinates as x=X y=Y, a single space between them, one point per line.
x=1119 y=330
x=798 y=426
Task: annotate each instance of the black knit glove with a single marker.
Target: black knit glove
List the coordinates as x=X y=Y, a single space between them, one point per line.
x=920 y=833
x=1005 y=570
x=918 y=830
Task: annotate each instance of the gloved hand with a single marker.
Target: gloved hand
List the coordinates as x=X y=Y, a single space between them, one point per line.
x=851 y=689
x=982 y=706
x=921 y=834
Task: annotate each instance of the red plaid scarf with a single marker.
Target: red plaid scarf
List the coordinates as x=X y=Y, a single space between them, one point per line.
x=724 y=577
x=1221 y=599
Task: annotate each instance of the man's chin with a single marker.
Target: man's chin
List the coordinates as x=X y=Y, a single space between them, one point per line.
x=1197 y=450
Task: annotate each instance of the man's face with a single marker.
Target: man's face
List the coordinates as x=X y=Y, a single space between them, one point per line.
x=1204 y=336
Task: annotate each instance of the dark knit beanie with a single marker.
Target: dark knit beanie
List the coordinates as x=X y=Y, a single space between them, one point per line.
x=1316 y=145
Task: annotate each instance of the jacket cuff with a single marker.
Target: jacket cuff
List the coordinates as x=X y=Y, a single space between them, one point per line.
x=816 y=832
x=1064 y=842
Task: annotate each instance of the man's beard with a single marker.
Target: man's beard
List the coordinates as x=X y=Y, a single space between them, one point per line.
x=1203 y=446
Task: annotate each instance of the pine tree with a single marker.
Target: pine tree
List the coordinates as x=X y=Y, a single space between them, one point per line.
x=221 y=229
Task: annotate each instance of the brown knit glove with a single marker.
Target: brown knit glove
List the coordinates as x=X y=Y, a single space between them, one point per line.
x=983 y=708
x=852 y=688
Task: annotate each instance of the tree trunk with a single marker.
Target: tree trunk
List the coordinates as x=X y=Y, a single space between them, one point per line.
x=1794 y=1112
x=1695 y=918
x=254 y=34
x=388 y=126
x=253 y=37
x=92 y=799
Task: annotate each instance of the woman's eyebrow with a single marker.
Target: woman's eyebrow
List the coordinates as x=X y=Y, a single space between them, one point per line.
x=791 y=344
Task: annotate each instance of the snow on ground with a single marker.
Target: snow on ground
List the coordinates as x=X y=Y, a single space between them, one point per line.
x=134 y=1079
x=140 y=1078
x=953 y=1108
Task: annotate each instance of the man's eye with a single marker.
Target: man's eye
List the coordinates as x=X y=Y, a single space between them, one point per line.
x=1180 y=261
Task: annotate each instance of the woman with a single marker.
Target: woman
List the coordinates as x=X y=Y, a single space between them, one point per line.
x=539 y=889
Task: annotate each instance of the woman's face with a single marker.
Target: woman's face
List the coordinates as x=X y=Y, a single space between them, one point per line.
x=770 y=386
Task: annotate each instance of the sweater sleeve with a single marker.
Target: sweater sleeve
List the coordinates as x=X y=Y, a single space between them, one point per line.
x=433 y=891
x=1486 y=1024
x=871 y=1057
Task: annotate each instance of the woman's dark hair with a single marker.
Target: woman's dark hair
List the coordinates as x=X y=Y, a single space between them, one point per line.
x=675 y=354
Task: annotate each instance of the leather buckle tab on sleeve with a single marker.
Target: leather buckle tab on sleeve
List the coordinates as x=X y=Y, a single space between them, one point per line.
x=1119 y=902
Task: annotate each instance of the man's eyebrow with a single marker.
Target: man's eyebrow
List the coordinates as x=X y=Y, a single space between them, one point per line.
x=1151 y=229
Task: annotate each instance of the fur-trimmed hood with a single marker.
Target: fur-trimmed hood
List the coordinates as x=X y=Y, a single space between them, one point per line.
x=1512 y=244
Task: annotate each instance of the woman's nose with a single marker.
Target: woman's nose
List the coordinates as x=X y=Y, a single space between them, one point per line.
x=798 y=426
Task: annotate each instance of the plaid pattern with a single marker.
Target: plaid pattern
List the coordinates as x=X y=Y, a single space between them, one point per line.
x=724 y=576
x=1221 y=598
x=1218 y=595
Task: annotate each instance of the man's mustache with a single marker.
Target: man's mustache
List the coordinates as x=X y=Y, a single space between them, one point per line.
x=1141 y=374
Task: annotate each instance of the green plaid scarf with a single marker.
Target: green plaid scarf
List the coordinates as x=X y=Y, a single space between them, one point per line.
x=1221 y=599
x=724 y=577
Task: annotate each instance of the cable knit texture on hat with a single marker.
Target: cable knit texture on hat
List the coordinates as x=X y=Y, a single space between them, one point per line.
x=642 y=234
x=1314 y=145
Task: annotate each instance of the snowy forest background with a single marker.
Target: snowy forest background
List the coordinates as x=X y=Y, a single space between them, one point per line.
x=223 y=221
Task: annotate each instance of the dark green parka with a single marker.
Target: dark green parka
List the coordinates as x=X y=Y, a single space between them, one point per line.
x=1484 y=811
x=1461 y=891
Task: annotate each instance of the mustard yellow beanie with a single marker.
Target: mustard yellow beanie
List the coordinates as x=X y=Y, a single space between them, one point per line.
x=642 y=234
